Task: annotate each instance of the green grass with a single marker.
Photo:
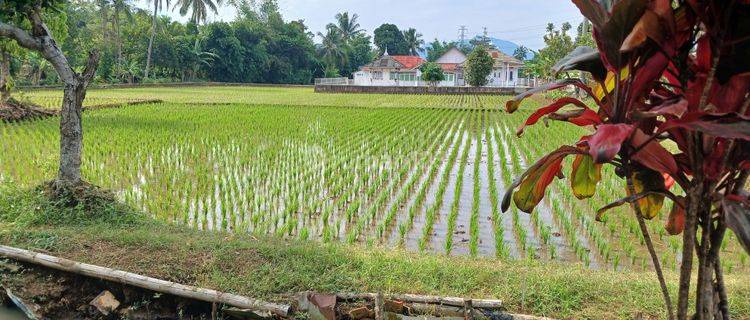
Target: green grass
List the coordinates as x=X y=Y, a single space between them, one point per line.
x=270 y=268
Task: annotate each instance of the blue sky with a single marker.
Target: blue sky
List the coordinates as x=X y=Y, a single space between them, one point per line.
x=519 y=21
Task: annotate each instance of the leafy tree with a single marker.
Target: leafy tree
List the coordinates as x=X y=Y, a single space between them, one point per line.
x=478 y=66
x=414 y=41
x=358 y=52
x=521 y=53
x=347 y=27
x=436 y=49
x=222 y=41
x=432 y=73
x=388 y=36
x=557 y=44
x=23 y=22
x=661 y=75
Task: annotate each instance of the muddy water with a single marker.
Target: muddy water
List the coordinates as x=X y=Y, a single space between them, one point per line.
x=486 y=246
x=437 y=241
x=8 y=313
x=505 y=220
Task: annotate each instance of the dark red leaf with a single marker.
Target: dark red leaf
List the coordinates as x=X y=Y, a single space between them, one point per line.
x=652 y=155
x=676 y=221
x=592 y=10
x=645 y=75
x=554 y=107
x=535 y=180
x=606 y=142
x=582 y=58
x=647 y=27
x=729 y=126
x=513 y=104
x=737 y=215
x=672 y=107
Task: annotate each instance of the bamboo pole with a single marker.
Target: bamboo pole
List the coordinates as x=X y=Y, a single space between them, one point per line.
x=450 y=301
x=144 y=282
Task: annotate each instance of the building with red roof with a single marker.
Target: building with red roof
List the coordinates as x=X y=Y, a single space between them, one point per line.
x=401 y=70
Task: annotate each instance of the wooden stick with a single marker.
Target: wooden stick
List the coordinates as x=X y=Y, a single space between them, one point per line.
x=144 y=282
x=450 y=301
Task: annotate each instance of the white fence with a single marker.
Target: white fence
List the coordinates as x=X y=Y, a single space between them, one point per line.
x=342 y=81
x=334 y=81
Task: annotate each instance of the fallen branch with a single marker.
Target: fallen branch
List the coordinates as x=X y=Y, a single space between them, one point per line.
x=144 y=282
x=450 y=301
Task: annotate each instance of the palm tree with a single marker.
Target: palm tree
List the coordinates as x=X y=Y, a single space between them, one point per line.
x=332 y=49
x=120 y=6
x=347 y=27
x=158 y=5
x=414 y=41
x=199 y=8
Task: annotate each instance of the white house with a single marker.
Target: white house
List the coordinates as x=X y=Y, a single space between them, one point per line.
x=505 y=71
x=390 y=70
x=399 y=70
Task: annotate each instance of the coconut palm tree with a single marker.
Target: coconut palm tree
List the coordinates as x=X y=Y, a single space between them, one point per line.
x=347 y=27
x=198 y=8
x=414 y=41
x=332 y=48
x=158 y=5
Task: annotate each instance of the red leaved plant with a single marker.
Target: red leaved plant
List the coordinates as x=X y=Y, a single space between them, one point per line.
x=663 y=70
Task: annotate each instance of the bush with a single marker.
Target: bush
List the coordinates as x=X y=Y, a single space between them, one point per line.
x=432 y=73
x=478 y=66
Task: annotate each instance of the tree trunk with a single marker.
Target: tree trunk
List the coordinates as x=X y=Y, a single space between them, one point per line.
x=71 y=134
x=151 y=41
x=4 y=75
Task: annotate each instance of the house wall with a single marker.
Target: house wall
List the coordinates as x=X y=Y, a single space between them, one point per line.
x=417 y=90
x=452 y=56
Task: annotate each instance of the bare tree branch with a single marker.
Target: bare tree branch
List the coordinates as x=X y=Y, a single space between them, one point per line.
x=23 y=38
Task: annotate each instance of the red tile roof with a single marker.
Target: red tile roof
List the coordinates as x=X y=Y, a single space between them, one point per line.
x=449 y=67
x=409 y=62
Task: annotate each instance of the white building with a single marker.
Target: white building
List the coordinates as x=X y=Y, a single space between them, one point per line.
x=399 y=70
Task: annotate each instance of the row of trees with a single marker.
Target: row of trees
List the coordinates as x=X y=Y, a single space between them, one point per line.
x=144 y=45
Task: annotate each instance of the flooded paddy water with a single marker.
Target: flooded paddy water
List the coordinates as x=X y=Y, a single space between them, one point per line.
x=415 y=178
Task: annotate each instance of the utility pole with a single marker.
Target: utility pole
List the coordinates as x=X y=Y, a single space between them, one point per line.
x=462 y=34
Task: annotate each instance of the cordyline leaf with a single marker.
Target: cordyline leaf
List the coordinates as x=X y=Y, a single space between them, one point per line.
x=629 y=199
x=729 y=125
x=609 y=83
x=610 y=37
x=645 y=75
x=593 y=11
x=606 y=142
x=513 y=104
x=532 y=183
x=676 y=222
x=647 y=27
x=652 y=155
x=557 y=105
x=584 y=176
x=737 y=215
x=581 y=117
x=582 y=58
x=649 y=181
x=672 y=107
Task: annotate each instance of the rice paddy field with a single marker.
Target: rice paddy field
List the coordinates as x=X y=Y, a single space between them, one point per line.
x=425 y=173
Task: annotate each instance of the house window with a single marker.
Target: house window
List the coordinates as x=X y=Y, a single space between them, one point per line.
x=377 y=75
x=394 y=75
x=450 y=77
x=407 y=77
x=510 y=76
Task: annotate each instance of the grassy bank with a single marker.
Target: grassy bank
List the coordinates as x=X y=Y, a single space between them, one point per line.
x=271 y=268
